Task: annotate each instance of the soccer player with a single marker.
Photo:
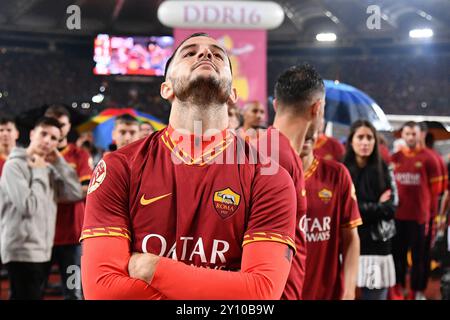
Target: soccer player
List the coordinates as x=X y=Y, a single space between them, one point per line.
x=384 y=149
x=126 y=130
x=328 y=148
x=69 y=221
x=331 y=227
x=299 y=103
x=253 y=115
x=200 y=229
x=8 y=137
x=427 y=142
x=253 y=120
x=418 y=180
x=33 y=180
x=145 y=129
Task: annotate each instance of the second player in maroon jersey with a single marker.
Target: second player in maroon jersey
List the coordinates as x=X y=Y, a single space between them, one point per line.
x=330 y=227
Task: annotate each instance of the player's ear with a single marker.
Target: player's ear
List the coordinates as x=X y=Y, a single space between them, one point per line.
x=316 y=109
x=275 y=104
x=232 y=99
x=166 y=90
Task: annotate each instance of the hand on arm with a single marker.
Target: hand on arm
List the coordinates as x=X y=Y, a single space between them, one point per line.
x=264 y=270
x=105 y=275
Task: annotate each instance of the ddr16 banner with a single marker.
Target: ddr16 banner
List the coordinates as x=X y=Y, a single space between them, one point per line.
x=247 y=51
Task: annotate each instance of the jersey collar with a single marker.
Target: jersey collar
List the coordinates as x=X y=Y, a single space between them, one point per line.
x=187 y=147
x=411 y=152
x=312 y=168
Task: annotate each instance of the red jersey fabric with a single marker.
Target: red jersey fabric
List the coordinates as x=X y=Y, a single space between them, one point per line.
x=418 y=179
x=263 y=273
x=384 y=152
x=329 y=148
x=443 y=181
x=69 y=219
x=2 y=163
x=442 y=168
x=332 y=206
x=279 y=150
x=199 y=210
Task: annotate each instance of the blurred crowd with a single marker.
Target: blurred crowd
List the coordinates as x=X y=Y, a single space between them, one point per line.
x=400 y=85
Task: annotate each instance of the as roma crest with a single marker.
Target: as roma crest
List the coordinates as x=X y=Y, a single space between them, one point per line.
x=226 y=202
x=325 y=195
x=98 y=176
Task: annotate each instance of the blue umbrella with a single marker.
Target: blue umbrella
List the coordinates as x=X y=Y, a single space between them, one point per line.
x=346 y=104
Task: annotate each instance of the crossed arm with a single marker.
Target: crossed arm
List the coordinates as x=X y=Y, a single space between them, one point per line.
x=115 y=274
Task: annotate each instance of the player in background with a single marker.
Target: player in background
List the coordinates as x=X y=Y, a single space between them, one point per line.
x=299 y=103
x=427 y=142
x=145 y=129
x=66 y=252
x=126 y=130
x=8 y=137
x=418 y=179
x=384 y=149
x=331 y=227
x=328 y=148
x=187 y=214
x=253 y=116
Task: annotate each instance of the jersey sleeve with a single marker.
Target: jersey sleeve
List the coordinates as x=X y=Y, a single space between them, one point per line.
x=349 y=212
x=84 y=170
x=300 y=188
x=272 y=210
x=106 y=212
x=435 y=176
x=444 y=172
x=339 y=150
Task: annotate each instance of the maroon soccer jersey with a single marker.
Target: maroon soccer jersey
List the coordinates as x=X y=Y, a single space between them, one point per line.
x=332 y=206
x=69 y=219
x=2 y=163
x=416 y=174
x=192 y=209
x=384 y=153
x=279 y=149
x=328 y=148
x=443 y=180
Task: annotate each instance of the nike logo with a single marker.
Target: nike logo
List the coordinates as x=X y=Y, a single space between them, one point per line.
x=145 y=202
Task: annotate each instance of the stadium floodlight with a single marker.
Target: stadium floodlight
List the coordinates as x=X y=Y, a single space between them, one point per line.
x=326 y=37
x=421 y=33
x=98 y=98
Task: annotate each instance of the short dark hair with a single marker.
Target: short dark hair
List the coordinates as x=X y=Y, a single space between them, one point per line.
x=429 y=140
x=423 y=126
x=410 y=124
x=47 y=122
x=296 y=86
x=127 y=119
x=5 y=119
x=141 y=123
x=57 y=111
x=197 y=34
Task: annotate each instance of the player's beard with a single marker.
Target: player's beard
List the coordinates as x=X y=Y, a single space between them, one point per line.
x=202 y=91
